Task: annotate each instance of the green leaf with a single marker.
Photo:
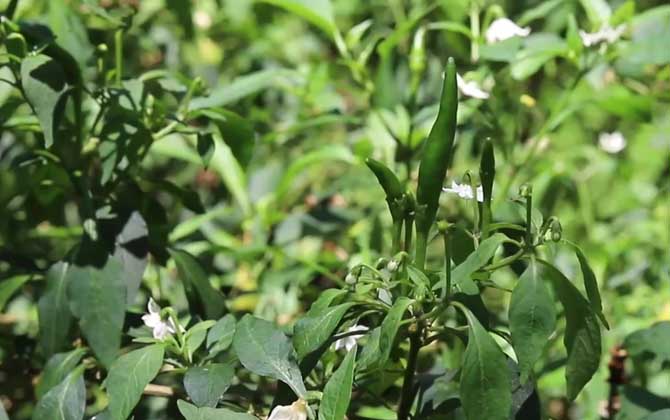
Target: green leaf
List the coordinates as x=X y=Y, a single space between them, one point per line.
x=317 y=157
x=132 y=254
x=316 y=327
x=206 y=384
x=485 y=381
x=128 y=376
x=54 y=313
x=67 y=401
x=598 y=11
x=590 y=284
x=191 y=412
x=98 y=300
x=337 y=392
x=532 y=318
x=237 y=133
x=637 y=403
x=461 y=275
x=582 y=333
x=318 y=12
x=266 y=351
x=389 y=328
x=44 y=85
x=195 y=336
x=69 y=31
x=654 y=340
x=370 y=353
x=56 y=369
x=9 y=286
x=220 y=336
x=206 y=147
x=202 y=297
x=241 y=87
x=658 y=415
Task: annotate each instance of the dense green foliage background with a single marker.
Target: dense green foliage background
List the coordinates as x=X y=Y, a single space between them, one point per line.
x=282 y=203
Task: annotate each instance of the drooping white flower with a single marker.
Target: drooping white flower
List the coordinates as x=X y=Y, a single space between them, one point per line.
x=470 y=89
x=606 y=34
x=465 y=191
x=612 y=142
x=502 y=29
x=202 y=19
x=161 y=327
x=295 y=411
x=349 y=342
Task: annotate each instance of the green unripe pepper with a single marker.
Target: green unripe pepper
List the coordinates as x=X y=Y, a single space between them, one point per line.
x=391 y=185
x=437 y=153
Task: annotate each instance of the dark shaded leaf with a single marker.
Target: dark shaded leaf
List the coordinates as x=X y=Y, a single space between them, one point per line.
x=266 y=351
x=206 y=384
x=54 y=313
x=532 y=318
x=485 y=379
x=337 y=392
x=66 y=401
x=203 y=298
x=98 y=299
x=128 y=376
x=582 y=333
x=44 y=84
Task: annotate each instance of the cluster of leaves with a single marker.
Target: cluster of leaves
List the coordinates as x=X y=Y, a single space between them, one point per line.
x=124 y=177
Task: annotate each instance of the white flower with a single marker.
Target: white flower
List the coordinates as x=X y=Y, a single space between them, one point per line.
x=606 y=34
x=393 y=266
x=612 y=142
x=202 y=19
x=470 y=89
x=161 y=328
x=465 y=191
x=295 y=411
x=385 y=296
x=502 y=29
x=349 y=342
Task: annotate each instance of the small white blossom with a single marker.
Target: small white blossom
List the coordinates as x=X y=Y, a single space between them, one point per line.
x=350 y=278
x=385 y=296
x=161 y=327
x=612 y=142
x=470 y=89
x=295 y=411
x=202 y=19
x=349 y=342
x=606 y=34
x=502 y=29
x=393 y=266
x=465 y=191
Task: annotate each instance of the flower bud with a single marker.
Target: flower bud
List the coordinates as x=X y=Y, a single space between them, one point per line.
x=556 y=231
x=526 y=190
x=393 y=266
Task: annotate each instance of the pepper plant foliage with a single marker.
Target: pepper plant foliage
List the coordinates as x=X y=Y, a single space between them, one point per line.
x=369 y=343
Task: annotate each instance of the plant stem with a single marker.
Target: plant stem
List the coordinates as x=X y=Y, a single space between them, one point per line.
x=421 y=244
x=446 y=291
x=529 y=221
x=409 y=223
x=397 y=233
x=407 y=393
x=118 y=55
x=474 y=30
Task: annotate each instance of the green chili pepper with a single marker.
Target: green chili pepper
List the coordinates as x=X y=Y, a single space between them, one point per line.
x=487 y=172
x=390 y=184
x=437 y=153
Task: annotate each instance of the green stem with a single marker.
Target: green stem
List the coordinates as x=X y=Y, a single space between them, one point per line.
x=118 y=55
x=529 y=220
x=421 y=244
x=409 y=223
x=407 y=394
x=446 y=291
x=474 y=30
x=505 y=261
x=397 y=234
